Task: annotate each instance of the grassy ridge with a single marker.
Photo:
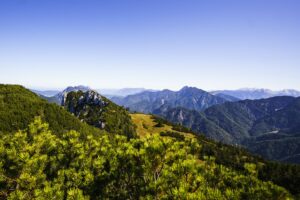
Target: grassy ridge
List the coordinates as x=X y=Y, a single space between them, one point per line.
x=147 y=125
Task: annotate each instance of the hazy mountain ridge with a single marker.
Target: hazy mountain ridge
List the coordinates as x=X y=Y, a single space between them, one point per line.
x=46 y=93
x=253 y=93
x=227 y=97
x=123 y=92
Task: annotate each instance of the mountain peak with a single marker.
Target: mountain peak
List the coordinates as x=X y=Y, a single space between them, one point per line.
x=61 y=97
x=96 y=110
x=76 y=88
x=190 y=89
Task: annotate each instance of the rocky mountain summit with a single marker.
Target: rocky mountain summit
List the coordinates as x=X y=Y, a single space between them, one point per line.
x=96 y=110
x=61 y=97
x=86 y=106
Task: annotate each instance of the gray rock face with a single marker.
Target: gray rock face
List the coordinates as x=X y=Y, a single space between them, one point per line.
x=86 y=105
x=61 y=97
x=98 y=111
x=91 y=98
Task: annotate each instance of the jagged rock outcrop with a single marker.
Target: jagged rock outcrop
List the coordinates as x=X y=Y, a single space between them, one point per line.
x=61 y=97
x=86 y=106
x=98 y=111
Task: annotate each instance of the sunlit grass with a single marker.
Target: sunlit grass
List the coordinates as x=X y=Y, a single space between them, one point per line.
x=146 y=126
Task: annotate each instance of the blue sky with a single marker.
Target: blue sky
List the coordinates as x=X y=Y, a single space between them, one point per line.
x=210 y=44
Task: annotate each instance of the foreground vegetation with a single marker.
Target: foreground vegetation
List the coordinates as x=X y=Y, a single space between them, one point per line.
x=37 y=164
x=233 y=157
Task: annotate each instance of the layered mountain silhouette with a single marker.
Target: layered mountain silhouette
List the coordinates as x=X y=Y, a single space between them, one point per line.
x=254 y=93
x=46 y=93
x=121 y=92
x=269 y=127
x=151 y=102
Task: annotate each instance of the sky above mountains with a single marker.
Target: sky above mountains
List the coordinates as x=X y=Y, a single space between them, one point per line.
x=210 y=44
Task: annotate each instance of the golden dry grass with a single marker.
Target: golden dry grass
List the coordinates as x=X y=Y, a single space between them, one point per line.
x=146 y=126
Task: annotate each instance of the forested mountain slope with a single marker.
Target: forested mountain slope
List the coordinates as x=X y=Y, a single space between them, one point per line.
x=234 y=157
x=273 y=123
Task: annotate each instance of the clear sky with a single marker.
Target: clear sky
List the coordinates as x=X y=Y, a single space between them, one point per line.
x=210 y=44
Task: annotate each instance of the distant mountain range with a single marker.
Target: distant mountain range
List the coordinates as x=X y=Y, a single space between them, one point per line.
x=249 y=93
x=121 y=92
x=229 y=95
x=46 y=93
x=56 y=96
x=269 y=127
x=151 y=102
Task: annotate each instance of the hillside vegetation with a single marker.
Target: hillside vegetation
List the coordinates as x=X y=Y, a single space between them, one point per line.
x=147 y=125
x=37 y=164
x=233 y=157
x=19 y=106
x=98 y=111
